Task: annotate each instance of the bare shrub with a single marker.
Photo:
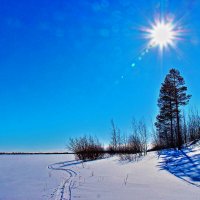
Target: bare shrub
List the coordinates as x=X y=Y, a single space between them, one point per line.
x=128 y=157
x=131 y=146
x=86 y=148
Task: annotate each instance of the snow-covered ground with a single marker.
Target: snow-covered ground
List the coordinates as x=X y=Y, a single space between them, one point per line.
x=27 y=177
x=168 y=176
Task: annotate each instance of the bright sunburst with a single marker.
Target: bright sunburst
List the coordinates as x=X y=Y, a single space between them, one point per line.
x=163 y=34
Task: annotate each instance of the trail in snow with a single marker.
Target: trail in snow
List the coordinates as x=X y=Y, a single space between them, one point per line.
x=64 y=192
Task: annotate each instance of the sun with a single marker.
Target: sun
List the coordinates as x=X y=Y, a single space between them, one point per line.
x=162 y=34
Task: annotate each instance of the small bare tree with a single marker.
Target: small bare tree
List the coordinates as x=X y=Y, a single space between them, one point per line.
x=142 y=130
x=113 y=142
x=194 y=124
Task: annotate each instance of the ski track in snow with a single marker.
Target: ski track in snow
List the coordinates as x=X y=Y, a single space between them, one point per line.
x=64 y=191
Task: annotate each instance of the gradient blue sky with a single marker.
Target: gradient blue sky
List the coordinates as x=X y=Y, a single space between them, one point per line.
x=62 y=62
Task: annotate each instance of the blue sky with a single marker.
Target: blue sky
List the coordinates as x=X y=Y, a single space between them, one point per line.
x=65 y=67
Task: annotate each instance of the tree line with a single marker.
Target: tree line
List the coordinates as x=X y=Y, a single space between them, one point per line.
x=173 y=127
x=89 y=147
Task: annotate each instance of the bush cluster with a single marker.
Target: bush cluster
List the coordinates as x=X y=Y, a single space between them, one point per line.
x=86 y=148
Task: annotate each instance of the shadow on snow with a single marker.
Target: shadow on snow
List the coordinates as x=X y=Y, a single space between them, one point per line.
x=181 y=165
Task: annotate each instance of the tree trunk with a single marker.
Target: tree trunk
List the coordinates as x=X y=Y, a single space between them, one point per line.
x=178 y=127
x=171 y=125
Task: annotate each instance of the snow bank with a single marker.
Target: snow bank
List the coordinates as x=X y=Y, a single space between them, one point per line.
x=169 y=175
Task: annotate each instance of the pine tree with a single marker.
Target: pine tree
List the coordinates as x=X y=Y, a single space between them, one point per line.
x=179 y=98
x=164 y=122
x=172 y=97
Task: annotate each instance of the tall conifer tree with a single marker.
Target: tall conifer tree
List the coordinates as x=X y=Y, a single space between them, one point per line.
x=172 y=97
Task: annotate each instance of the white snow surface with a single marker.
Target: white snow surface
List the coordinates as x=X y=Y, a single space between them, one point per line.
x=168 y=175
